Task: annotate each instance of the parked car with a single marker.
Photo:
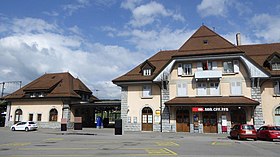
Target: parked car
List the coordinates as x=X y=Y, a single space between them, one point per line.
x=243 y=131
x=268 y=133
x=29 y=125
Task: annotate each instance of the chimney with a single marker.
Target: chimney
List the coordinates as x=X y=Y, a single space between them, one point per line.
x=238 y=39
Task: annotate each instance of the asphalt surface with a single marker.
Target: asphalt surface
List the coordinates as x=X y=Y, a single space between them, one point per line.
x=103 y=142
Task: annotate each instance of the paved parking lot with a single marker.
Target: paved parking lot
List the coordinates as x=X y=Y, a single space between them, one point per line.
x=103 y=142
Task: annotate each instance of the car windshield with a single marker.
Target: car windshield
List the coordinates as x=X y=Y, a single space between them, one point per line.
x=248 y=127
x=274 y=128
x=31 y=123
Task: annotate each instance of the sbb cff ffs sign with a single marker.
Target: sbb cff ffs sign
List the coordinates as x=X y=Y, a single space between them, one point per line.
x=210 y=109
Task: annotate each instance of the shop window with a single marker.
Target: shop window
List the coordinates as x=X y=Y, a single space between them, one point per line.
x=53 y=115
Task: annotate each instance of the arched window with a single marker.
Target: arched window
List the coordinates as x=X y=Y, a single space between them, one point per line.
x=277 y=116
x=18 y=115
x=53 y=115
x=277 y=111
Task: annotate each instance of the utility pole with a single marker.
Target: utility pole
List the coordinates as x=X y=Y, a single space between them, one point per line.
x=9 y=82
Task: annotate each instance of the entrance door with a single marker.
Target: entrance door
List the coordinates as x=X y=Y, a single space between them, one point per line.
x=18 y=115
x=209 y=122
x=182 y=120
x=238 y=116
x=147 y=119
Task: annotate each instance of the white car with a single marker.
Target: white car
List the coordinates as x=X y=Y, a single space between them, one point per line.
x=24 y=126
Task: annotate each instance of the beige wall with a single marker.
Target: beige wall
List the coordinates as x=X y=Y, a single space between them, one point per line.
x=225 y=87
x=269 y=102
x=39 y=107
x=136 y=102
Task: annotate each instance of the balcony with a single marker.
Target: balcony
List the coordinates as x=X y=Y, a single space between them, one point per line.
x=207 y=74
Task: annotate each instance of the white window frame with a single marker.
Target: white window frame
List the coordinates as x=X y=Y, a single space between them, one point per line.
x=229 y=68
x=147 y=72
x=214 y=88
x=187 y=69
x=147 y=91
x=236 y=88
x=275 y=66
x=201 y=88
x=182 y=89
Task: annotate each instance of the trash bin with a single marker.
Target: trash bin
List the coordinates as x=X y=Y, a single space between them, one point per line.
x=78 y=123
x=106 y=122
x=118 y=127
x=98 y=122
x=63 y=124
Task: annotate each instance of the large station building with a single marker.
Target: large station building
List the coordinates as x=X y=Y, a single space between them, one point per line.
x=206 y=86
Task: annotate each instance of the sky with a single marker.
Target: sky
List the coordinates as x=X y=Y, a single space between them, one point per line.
x=100 y=40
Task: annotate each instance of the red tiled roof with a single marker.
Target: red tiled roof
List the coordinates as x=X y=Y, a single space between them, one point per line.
x=218 y=101
x=54 y=85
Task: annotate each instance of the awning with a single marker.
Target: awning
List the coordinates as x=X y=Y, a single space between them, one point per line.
x=212 y=101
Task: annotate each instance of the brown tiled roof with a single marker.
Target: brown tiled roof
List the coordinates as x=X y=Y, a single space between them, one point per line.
x=260 y=53
x=54 y=85
x=194 y=46
x=159 y=61
x=215 y=44
x=218 y=101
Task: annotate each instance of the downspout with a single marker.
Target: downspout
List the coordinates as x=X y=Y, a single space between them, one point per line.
x=160 y=92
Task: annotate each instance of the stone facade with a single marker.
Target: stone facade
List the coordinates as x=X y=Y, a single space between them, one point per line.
x=258 y=114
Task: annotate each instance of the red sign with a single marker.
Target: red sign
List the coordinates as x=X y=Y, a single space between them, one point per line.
x=197 y=109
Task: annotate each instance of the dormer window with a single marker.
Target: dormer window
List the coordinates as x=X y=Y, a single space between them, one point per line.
x=275 y=66
x=205 y=42
x=147 y=68
x=147 y=72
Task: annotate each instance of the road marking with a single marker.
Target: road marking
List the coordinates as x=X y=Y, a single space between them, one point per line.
x=220 y=143
x=16 y=144
x=54 y=139
x=168 y=143
x=42 y=148
x=163 y=151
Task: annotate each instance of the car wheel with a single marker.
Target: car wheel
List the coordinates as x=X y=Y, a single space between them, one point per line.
x=255 y=139
x=26 y=129
x=13 y=129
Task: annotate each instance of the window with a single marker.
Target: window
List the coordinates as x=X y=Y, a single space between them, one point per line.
x=39 y=117
x=275 y=66
x=128 y=119
x=147 y=72
x=228 y=67
x=201 y=89
x=18 y=115
x=53 y=115
x=214 y=88
x=134 y=119
x=147 y=91
x=30 y=117
x=235 y=88
x=187 y=69
x=181 y=89
x=277 y=88
x=207 y=65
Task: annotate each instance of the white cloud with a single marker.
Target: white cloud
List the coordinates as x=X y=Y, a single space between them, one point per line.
x=212 y=8
x=266 y=27
x=26 y=56
x=155 y=40
x=73 y=7
x=148 y=13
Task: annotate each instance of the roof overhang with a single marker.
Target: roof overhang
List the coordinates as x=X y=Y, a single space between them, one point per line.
x=212 y=101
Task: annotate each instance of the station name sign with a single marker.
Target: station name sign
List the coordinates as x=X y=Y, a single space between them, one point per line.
x=210 y=109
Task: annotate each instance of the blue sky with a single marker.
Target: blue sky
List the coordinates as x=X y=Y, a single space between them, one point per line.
x=99 y=40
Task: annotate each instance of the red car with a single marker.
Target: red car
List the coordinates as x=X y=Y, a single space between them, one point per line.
x=243 y=131
x=269 y=133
